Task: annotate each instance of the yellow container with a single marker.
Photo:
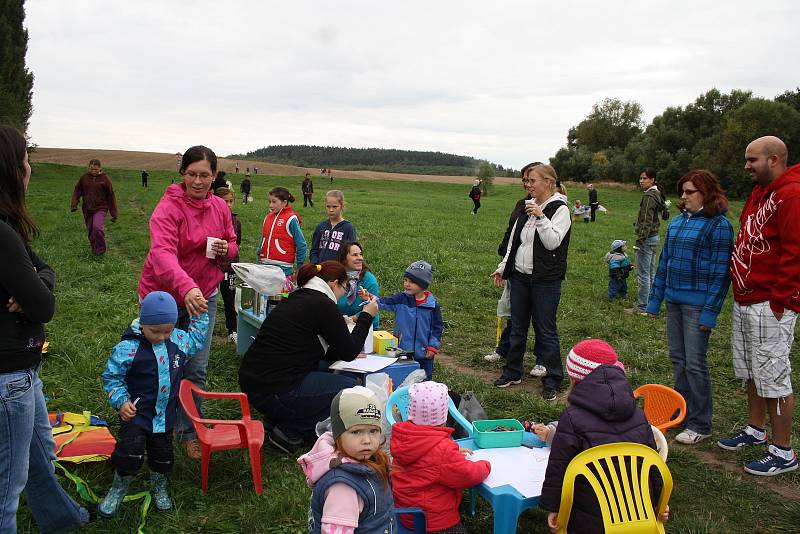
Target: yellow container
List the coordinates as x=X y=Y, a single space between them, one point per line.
x=381 y=340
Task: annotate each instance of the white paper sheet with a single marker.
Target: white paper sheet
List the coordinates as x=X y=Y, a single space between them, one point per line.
x=370 y=364
x=520 y=467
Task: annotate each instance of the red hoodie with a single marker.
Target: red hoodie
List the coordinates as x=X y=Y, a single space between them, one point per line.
x=766 y=256
x=429 y=472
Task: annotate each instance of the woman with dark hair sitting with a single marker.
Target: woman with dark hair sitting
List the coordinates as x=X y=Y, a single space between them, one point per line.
x=359 y=277
x=693 y=278
x=280 y=371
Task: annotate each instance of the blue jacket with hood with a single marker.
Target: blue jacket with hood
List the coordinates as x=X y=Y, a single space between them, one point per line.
x=417 y=326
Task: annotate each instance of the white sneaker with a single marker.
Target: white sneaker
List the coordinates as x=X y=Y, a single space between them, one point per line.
x=493 y=357
x=539 y=370
x=690 y=437
x=233 y=338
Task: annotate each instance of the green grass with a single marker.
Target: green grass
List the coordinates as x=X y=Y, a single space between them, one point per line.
x=397 y=222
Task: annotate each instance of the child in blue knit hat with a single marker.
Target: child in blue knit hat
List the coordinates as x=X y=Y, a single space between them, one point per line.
x=142 y=377
x=619 y=267
x=418 y=318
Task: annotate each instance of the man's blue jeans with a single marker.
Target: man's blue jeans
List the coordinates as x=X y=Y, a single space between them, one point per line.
x=646 y=269
x=195 y=369
x=26 y=451
x=534 y=302
x=298 y=410
x=688 y=349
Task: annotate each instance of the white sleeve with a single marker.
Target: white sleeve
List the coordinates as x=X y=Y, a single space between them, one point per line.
x=502 y=265
x=552 y=231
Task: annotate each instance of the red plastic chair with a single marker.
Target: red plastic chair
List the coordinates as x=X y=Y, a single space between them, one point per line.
x=663 y=406
x=224 y=434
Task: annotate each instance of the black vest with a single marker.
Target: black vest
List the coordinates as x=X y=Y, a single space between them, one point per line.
x=547 y=264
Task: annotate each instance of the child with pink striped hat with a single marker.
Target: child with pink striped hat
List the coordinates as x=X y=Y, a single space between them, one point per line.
x=601 y=409
x=429 y=469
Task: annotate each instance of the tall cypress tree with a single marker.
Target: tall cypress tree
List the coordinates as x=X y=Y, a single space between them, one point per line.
x=16 y=82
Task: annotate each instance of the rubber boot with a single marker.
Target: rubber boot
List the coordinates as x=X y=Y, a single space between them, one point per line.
x=119 y=488
x=160 y=491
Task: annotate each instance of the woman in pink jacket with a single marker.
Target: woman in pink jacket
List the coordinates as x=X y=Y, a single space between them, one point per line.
x=185 y=217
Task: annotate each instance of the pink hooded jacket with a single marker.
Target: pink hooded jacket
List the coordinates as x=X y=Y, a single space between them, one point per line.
x=177 y=259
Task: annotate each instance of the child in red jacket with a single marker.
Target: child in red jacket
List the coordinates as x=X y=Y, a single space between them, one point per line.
x=429 y=469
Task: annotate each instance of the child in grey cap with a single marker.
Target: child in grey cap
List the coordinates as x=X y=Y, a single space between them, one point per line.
x=619 y=267
x=418 y=318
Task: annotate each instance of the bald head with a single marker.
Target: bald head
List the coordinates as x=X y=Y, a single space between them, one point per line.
x=766 y=158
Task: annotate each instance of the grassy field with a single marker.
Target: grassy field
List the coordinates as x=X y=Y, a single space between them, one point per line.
x=397 y=222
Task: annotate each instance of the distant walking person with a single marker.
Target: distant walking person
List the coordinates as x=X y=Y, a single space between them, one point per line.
x=593 y=203
x=245 y=189
x=308 y=191
x=98 y=199
x=144 y=178
x=330 y=175
x=765 y=274
x=237 y=168
x=647 y=224
x=475 y=195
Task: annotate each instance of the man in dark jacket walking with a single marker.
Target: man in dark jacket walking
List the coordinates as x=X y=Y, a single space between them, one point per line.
x=593 y=203
x=98 y=199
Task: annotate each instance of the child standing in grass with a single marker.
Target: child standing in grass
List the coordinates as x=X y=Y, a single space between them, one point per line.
x=226 y=287
x=282 y=241
x=348 y=469
x=601 y=409
x=418 y=322
x=142 y=378
x=619 y=267
x=329 y=235
x=429 y=470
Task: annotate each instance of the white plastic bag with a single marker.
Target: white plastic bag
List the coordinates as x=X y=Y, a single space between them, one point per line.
x=504 y=304
x=265 y=279
x=381 y=385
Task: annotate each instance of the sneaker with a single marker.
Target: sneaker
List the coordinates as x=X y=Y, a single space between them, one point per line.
x=504 y=382
x=741 y=439
x=690 y=437
x=549 y=394
x=636 y=310
x=233 y=337
x=493 y=357
x=539 y=370
x=772 y=464
x=192 y=448
x=284 y=441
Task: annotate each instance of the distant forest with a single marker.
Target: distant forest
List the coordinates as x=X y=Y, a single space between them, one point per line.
x=374 y=159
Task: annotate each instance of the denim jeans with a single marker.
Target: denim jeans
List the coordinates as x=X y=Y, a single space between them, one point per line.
x=505 y=339
x=646 y=269
x=617 y=288
x=195 y=369
x=302 y=407
x=688 y=348
x=535 y=302
x=26 y=451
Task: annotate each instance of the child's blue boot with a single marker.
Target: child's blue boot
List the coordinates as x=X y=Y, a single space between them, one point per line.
x=160 y=491
x=110 y=504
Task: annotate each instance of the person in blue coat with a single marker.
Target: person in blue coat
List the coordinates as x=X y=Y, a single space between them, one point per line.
x=418 y=321
x=359 y=279
x=142 y=378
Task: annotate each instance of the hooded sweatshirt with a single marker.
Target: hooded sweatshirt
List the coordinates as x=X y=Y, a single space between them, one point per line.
x=601 y=410
x=97 y=193
x=179 y=228
x=766 y=256
x=344 y=508
x=430 y=472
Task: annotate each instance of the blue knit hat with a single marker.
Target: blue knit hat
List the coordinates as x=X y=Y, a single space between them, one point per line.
x=421 y=273
x=158 y=307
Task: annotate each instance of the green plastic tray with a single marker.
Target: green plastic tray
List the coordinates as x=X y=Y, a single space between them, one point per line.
x=486 y=439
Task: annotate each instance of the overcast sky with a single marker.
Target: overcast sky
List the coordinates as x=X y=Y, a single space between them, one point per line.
x=497 y=80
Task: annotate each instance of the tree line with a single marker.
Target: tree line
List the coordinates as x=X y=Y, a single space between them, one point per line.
x=16 y=81
x=377 y=159
x=613 y=143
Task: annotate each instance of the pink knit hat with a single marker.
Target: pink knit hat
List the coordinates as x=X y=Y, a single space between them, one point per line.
x=429 y=403
x=588 y=355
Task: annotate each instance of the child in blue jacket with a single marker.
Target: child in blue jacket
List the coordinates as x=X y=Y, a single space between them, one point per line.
x=418 y=318
x=142 y=378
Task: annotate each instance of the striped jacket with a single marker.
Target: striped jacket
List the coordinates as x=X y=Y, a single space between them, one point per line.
x=693 y=267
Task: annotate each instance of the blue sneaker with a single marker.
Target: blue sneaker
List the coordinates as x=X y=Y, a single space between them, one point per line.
x=772 y=464
x=743 y=438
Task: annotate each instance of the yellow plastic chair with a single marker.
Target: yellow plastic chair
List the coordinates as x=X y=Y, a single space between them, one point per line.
x=619 y=476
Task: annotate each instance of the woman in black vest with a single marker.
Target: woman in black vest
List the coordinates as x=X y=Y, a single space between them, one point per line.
x=535 y=263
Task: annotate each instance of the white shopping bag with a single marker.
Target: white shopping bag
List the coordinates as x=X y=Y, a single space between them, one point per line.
x=265 y=279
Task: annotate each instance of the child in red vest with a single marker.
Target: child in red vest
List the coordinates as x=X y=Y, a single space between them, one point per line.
x=430 y=471
x=282 y=241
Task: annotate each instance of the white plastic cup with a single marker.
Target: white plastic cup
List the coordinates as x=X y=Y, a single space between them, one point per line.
x=210 y=254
